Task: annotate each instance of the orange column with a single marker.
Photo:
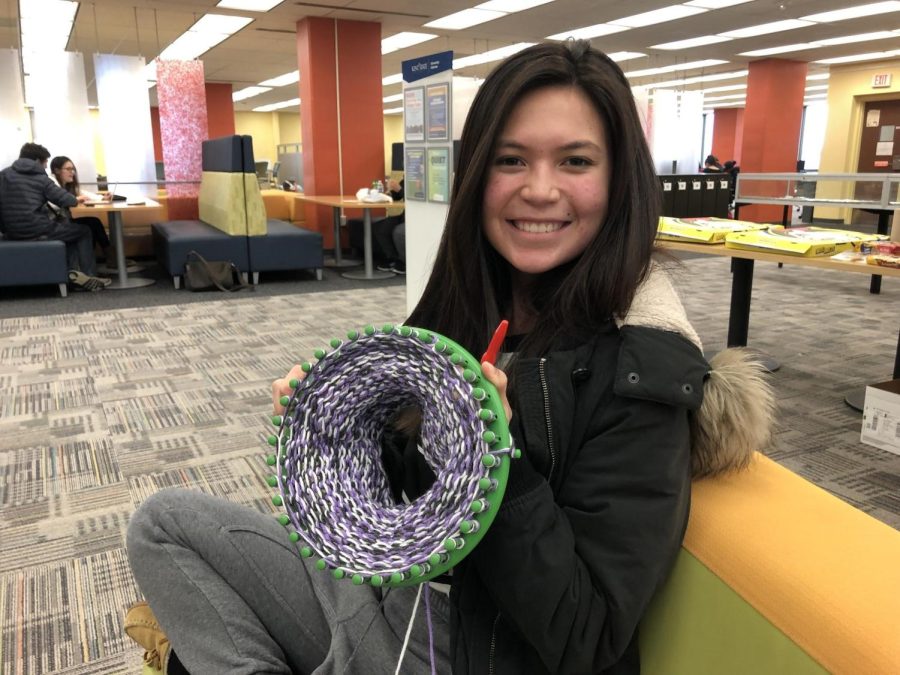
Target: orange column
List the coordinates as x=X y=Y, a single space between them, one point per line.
x=340 y=110
x=772 y=128
x=728 y=128
x=219 y=109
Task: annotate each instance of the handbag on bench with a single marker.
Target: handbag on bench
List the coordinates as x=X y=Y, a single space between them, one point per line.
x=204 y=275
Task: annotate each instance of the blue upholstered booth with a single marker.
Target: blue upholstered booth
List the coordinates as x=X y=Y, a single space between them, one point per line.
x=33 y=263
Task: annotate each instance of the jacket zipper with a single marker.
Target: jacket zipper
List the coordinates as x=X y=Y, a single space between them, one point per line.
x=546 y=391
x=493 y=645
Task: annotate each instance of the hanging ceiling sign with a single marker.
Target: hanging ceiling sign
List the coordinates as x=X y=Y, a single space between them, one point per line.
x=426 y=66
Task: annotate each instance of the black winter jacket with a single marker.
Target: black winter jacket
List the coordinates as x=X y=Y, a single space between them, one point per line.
x=25 y=189
x=594 y=512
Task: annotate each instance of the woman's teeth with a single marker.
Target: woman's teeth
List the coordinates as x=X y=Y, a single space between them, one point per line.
x=537 y=228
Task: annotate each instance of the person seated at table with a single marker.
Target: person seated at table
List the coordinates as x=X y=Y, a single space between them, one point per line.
x=388 y=235
x=63 y=171
x=711 y=165
x=25 y=191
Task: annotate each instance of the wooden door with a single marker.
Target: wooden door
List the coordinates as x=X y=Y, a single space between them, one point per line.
x=879 y=150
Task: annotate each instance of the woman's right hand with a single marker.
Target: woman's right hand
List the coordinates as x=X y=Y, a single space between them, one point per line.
x=282 y=387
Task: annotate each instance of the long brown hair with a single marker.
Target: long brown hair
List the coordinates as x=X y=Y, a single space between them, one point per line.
x=470 y=287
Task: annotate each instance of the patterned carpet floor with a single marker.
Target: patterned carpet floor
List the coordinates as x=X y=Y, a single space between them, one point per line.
x=98 y=410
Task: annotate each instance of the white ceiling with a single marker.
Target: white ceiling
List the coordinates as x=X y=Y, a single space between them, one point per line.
x=267 y=47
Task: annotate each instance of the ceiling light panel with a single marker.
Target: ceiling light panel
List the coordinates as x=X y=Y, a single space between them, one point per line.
x=870 y=56
x=675 y=67
x=392 y=99
x=588 y=32
x=392 y=111
x=780 y=50
x=767 y=28
x=220 y=24
x=249 y=92
x=618 y=57
x=464 y=19
x=490 y=56
x=727 y=87
x=817 y=76
x=249 y=5
x=404 y=40
x=64 y=10
x=715 y=4
x=510 y=6
x=396 y=78
x=282 y=80
x=693 y=42
x=277 y=106
x=670 y=13
x=854 y=12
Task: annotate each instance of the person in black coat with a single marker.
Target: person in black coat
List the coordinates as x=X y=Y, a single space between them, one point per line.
x=25 y=191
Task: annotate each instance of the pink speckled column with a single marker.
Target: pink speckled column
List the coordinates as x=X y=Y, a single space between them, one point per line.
x=183 y=123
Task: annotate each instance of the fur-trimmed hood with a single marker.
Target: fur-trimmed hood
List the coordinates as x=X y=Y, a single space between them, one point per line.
x=736 y=415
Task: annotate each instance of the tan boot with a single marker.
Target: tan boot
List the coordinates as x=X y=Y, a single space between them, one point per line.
x=142 y=627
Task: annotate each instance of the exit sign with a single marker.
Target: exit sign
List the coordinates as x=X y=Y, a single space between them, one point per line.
x=881 y=80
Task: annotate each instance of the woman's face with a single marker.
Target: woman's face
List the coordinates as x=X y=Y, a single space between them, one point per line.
x=67 y=173
x=548 y=184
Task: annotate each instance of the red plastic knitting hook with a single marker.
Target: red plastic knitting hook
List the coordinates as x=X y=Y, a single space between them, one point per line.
x=494 y=347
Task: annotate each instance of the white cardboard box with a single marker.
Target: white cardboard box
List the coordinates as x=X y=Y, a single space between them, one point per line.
x=881 y=416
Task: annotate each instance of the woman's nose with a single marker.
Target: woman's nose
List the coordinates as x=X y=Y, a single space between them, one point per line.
x=540 y=186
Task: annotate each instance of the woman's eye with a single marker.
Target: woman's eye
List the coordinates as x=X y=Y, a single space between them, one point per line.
x=578 y=161
x=508 y=161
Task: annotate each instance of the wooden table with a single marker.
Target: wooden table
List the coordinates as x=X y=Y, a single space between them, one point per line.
x=338 y=202
x=114 y=211
x=742 y=284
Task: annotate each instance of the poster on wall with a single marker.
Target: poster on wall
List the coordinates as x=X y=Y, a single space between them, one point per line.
x=414 y=114
x=414 y=187
x=437 y=97
x=438 y=175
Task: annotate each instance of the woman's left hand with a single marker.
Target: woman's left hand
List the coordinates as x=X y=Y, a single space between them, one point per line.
x=497 y=378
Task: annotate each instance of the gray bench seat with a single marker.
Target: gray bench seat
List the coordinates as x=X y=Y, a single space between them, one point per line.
x=285 y=247
x=174 y=239
x=33 y=263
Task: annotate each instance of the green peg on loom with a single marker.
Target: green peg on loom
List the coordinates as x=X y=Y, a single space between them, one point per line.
x=424 y=336
x=468 y=526
x=469 y=376
x=376 y=580
x=405 y=331
x=272 y=481
x=284 y=400
x=396 y=577
x=369 y=330
x=283 y=519
x=478 y=505
x=440 y=346
x=271 y=460
x=272 y=440
x=277 y=500
x=490 y=461
x=276 y=420
x=306 y=552
x=335 y=343
x=357 y=579
x=486 y=415
x=338 y=573
x=437 y=558
x=454 y=543
x=319 y=354
x=306 y=366
x=456 y=359
x=478 y=394
x=294 y=537
x=489 y=437
x=415 y=570
x=487 y=484
x=321 y=564
x=387 y=328
x=352 y=335
x=516 y=453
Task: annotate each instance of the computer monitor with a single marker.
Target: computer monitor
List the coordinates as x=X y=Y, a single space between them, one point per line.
x=275 y=169
x=397 y=157
x=262 y=168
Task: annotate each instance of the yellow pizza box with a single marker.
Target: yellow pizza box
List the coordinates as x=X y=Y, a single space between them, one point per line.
x=801 y=241
x=702 y=230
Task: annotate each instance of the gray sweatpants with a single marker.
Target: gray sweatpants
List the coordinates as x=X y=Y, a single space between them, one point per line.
x=234 y=596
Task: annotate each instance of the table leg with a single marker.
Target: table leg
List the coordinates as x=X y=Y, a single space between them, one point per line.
x=739 y=313
x=368 y=272
x=123 y=280
x=883 y=224
x=856 y=398
x=339 y=260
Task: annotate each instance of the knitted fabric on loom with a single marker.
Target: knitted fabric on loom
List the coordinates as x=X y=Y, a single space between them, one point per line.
x=329 y=469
